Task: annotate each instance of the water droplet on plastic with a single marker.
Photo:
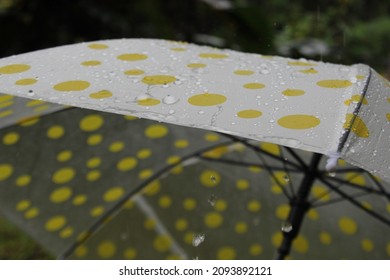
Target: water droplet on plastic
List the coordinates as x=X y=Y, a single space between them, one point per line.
x=264 y=71
x=201 y=112
x=169 y=100
x=213 y=179
x=171 y=112
x=212 y=199
x=197 y=239
x=332 y=174
x=287 y=227
x=286 y=178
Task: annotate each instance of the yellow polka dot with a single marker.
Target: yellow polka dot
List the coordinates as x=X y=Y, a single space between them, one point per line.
x=254 y=169
x=347 y=226
x=162 y=243
x=355 y=178
x=97 y=211
x=6 y=104
x=55 y=223
x=28 y=121
x=66 y=232
x=213 y=55
x=196 y=65
x=270 y=148
x=165 y=201
x=6 y=113
x=116 y=146
x=130 y=118
x=210 y=178
x=189 y=204
x=93 y=175
x=33 y=103
x=243 y=72
x=178 y=49
x=11 y=138
x=31 y=213
x=276 y=239
x=181 y=144
x=388 y=248
x=253 y=205
x=148 y=102
x=309 y=71
x=5 y=98
x=293 y=92
x=360 y=77
x=144 y=153
x=325 y=238
x=188 y=236
x=132 y=56
x=156 y=131
x=64 y=155
x=242 y=184
x=181 y=224
x=207 y=99
x=249 y=114
x=213 y=220
x=388 y=117
x=81 y=251
x=226 y=253
x=301 y=63
x=276 y=189
x=23 y=180
x=55 y=132
x=63 y=175
x=367 y=245
x=211 y=137
x=313 y=214
x=113 y=194
x=158 y=79
x=254 y=86
x=298 y=121
x=127 y=163
x=83 y=236
x=101 y=94
x=300 y=244
x=23 y=205
x=241 y=228
x=334 y=83
x=356 y=125
x=75 y=85
x=91 y=123
x=97 y=46
x=91 y=63
x=150 y=224
x=217 y=152
x=255 y=250
x=94 y=139
x=61 y=195
x=321 y=193
x=146 y=173
x=152 y=188
x=282 y=211
x=79 y=199
x=6 y=171
x=106 y=249
x=134 y=72
x=130 y=254
x=220 y=205
x=356 y=99
x=25 y=82
x=14 y=68
x=94 y=162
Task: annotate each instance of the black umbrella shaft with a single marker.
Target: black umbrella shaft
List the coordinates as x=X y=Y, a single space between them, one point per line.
x=299 y=206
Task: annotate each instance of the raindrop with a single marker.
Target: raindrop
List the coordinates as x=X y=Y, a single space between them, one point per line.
x=197 y=239
x=30 y=93
x=353 y=80
x=169 y=100
x=124 y=236
x=264 y=71
x=82 y=98
x=332 y=174
x=171 y=112
x=212 y=200
x=201 y=112
x=287 y=227
x=286 y=178
x=213 y=179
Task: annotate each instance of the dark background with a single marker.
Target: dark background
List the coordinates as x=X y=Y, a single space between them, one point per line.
x=340 y=31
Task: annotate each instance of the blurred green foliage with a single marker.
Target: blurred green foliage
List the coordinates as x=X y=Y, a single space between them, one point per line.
x=341 y=31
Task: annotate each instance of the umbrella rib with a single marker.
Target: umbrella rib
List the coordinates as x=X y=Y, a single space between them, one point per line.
x=95 y=226
x=290 y=184
x=257 y=149
x=295 y=155
x=246 y=164
x=356 y=203
x=380 y=186
x=337 y=200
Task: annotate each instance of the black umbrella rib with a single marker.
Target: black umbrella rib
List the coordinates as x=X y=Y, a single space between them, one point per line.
x=379 y=185
x=95 y=226
x=297 y=158
x=335 y=200
x=257 y=149
x=356 y=203
x=246 y=164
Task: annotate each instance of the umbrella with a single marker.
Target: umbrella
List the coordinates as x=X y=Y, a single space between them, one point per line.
x=90 y=184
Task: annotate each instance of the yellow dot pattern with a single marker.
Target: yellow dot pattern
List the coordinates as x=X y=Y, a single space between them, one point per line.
x=251 y=99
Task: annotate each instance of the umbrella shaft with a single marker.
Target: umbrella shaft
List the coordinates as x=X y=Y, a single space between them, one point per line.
x=299 y=206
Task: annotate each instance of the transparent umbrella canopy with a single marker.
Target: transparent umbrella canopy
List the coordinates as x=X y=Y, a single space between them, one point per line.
x=87 y=183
